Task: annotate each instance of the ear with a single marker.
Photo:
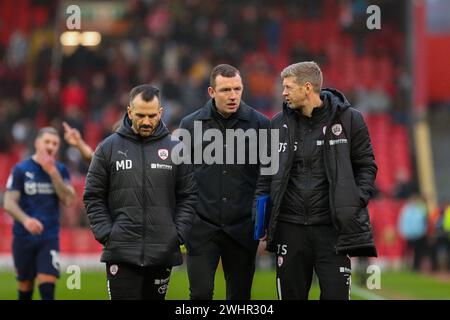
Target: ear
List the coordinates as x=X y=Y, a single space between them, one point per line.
x=36 y=145
x=129 y=112
x=211 y=92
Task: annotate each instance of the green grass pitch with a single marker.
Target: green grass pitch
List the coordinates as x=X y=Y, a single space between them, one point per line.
x=394 y=285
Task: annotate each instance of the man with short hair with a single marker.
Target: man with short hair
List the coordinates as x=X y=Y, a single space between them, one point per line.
x=223 y=226
x=318 y=198
x=139 y=201
x=35 y=188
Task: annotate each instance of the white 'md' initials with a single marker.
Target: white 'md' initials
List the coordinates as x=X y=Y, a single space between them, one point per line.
x=124 y=164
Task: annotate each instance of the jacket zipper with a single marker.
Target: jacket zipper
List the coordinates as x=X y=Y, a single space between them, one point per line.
x=144 y=216
x=308 y=140
x=222 y=129
x=331 y=180
x=285 y=180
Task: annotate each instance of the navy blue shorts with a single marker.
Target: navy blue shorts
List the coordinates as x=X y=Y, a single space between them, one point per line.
x=32 y=257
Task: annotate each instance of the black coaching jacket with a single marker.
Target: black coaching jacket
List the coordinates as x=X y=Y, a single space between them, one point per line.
x=225 y=190
x=140 y=204
x=350 y=169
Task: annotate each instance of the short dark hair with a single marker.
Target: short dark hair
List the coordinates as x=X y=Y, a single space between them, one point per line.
x=224 y=70
x=303 y=72
x=49 y=130
x=148 y=92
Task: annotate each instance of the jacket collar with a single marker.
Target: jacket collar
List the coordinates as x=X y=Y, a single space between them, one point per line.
x=243 y=113
x=334 y=101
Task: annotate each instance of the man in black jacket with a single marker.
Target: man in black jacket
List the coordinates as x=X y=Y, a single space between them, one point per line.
x=318 y=209
x=222 y=226
x=140 y=202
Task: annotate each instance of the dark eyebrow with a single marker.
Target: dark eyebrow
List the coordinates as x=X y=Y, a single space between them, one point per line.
x=143 y=115
x=229 y=88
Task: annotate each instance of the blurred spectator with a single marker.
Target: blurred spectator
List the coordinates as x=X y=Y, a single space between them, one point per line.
x=249 y=25
x=17 y=51
x=299 y=52
x=99 y=95
x=73 y=97
x=5 y=128
x=440 y=239
x=260 y=82
x=43 y=62
x=404 y=186
x=374 y=101
x=412 y=226
x=446 y=220
x=158 y=21
x=174 y=44
x=273 y=28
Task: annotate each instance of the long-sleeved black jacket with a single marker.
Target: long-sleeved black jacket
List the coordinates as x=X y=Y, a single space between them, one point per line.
x=225 y=190
x=140 y=203
x=306 y=200
x=350 y=169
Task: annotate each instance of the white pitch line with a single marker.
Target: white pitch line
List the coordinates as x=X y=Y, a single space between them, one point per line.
x=366 y=294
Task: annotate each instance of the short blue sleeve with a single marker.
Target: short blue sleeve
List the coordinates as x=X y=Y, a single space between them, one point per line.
x=15 y=180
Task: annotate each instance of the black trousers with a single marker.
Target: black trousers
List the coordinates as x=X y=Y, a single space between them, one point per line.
x=302 y=250
x=238 y=265
x=130 y=282
x=420 y=250
x=438 y=244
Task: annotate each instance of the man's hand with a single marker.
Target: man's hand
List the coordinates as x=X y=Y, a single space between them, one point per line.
x=71 y=135
x=262 y=247
x=47 y=162
x=264 y=238
x=34 y=226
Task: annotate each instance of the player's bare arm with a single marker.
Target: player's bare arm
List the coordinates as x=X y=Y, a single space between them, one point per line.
x=11 y=206
x=73 y=137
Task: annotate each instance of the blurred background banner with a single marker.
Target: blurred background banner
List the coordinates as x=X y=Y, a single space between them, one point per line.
x=76 y=61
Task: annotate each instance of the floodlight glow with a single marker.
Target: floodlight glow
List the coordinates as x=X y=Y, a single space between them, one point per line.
x=90 y=38
x=70 y=38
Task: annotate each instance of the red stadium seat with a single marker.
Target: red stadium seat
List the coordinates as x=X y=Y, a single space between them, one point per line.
x=384 y=217
x=7 y=162
x=93 y=133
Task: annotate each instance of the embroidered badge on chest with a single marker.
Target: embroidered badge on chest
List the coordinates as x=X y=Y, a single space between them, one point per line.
x=336 y=129
x=113 y=269
x=163 y=154
x=280 y=261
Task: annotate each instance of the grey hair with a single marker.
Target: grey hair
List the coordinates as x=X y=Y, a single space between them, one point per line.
x=49 y=130
x=303 y=72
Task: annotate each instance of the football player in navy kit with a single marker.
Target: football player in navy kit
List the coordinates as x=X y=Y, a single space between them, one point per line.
x=35 y=189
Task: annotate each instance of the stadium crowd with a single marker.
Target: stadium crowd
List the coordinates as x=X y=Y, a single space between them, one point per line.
x=174 y=44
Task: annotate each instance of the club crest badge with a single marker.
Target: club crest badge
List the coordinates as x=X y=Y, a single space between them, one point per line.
x=163 y=289
x=280 y=261
x=336 y=129
x=163 y=154
x=114 y=269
